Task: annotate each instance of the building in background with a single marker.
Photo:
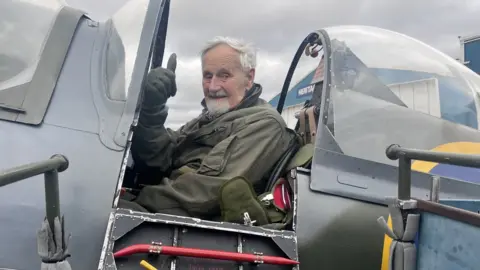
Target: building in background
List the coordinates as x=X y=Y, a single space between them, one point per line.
x=420 y=94
x=470 y=52
x=295 y=99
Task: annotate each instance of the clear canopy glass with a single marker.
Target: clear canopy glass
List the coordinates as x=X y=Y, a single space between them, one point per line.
x=26 y=24
x=390 y=88
x=24 y=28
x=123 y=46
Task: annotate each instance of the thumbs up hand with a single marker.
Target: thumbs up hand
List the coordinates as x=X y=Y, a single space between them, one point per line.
x=161 y=83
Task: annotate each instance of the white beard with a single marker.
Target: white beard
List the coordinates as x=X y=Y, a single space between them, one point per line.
x=217 y=106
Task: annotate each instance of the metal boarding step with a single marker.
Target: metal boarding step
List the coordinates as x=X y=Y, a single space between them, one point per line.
x=174 y=242
x=440 y=234
x=449 y=235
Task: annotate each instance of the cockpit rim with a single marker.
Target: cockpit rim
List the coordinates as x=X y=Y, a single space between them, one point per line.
x=157 y=13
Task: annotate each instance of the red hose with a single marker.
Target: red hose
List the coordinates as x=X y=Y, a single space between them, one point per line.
x=133 y=249
x=203 y=253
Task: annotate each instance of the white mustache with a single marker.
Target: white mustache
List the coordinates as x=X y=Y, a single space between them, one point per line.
x=217 y=94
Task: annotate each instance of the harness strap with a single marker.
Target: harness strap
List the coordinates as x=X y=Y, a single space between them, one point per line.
x=302 y=128
x=308 y=136
x=312 y=124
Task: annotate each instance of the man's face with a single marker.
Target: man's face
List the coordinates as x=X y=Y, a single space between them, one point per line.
x=224 y=79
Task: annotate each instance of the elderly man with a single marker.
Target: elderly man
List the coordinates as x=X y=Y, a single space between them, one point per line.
x=236 y=140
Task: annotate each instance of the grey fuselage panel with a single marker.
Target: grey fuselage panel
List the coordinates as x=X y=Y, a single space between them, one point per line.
x=336 y=232
x=72 y=127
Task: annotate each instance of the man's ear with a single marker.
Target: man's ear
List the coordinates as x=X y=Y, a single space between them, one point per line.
x=251 y=77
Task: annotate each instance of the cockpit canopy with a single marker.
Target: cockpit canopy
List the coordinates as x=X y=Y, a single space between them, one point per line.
x=423 y=78
x=24 y=27
x=26 y=24
x=385 y=87
x=35 y=42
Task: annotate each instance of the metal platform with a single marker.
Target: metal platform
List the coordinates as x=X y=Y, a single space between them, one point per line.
x=445 y=243
x=127 y=228
x=434 y=234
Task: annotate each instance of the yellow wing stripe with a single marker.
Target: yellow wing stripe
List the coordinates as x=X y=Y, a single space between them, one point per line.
x=455 y=147
x=386 y=246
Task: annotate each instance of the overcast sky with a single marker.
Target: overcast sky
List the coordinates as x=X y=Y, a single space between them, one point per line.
x=278 y=26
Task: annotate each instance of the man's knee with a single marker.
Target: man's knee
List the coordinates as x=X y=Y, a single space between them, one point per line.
x=130 y=205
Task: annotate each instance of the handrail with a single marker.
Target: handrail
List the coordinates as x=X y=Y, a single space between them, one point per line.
x=395 y=151
x=50 y=168
x=450 y=212
x=405 y=156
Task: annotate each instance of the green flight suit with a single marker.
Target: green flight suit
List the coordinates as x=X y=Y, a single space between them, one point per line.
x=205 y=153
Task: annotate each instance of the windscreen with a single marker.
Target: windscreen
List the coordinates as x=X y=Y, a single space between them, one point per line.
x=389 y=88
x=302 y=84
x=127 y=25
x=24 y=28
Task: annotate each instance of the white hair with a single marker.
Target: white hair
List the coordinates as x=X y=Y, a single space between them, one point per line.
x=248 y=53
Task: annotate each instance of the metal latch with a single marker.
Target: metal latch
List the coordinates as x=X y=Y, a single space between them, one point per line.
x=247 y=220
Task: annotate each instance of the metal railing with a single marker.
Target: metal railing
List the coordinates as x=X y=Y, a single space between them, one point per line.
x=50 y=168
x=405 y=156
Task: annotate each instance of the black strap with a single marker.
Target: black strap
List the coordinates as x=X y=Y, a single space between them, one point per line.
x=279 y=168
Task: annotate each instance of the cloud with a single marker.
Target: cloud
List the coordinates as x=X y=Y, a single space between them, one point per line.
x=278 y=26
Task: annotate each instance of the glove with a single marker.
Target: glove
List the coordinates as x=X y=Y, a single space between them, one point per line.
x=160 y=84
